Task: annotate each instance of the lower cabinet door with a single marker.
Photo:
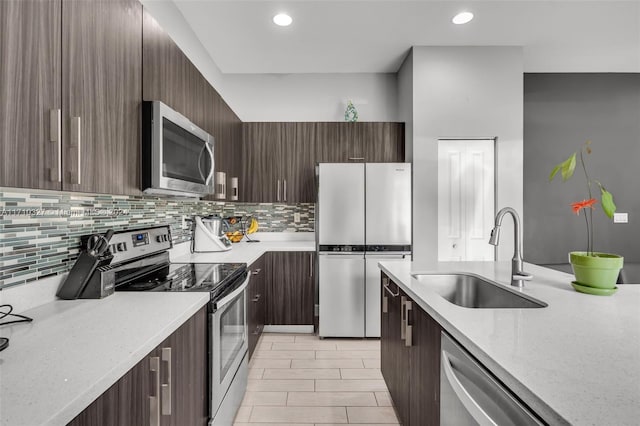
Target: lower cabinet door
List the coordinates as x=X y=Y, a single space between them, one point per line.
x=424 y=393
x=168 y=387
x=395 y=361
x=255 y=303
x=290 y=288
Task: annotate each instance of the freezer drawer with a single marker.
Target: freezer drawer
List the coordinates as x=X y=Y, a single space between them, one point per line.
x=341 y=295
x=340 y=204
x=373 y=291
x=388 y=204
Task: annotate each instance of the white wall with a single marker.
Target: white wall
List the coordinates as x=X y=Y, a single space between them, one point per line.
x=311 y=97
x=465 y=92
x=282 y=97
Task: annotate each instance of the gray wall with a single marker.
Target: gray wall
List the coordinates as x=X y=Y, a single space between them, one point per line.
x=561 y=111
x=463 y=92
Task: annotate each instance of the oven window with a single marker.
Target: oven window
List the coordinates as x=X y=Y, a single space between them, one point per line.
x=184 y=155
x=232 y=336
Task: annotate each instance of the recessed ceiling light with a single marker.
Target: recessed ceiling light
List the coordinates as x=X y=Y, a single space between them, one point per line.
x=462 y=18
x=282 y=19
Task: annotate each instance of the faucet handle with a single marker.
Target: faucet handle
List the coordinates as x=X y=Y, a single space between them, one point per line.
x=522 y=276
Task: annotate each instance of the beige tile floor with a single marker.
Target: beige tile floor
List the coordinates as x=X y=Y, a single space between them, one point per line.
x=300 y=380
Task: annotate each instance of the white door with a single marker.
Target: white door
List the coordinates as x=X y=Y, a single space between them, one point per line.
x=466 y=184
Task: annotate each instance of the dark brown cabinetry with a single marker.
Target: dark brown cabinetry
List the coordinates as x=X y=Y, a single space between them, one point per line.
x=256 y=302
x=69 y=104
x=30 y=79
x=410 y=357
x=280 y=158
x=169 y=384
x=394 y=356
x=169 y=76
x=101 y=93
x=290 y=288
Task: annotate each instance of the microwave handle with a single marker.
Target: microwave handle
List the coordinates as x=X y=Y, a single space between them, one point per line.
x=206 y=182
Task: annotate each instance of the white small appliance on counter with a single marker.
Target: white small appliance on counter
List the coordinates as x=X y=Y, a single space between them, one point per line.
x=209 y=236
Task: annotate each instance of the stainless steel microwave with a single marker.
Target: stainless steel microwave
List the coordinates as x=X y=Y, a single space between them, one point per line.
x=177 y=155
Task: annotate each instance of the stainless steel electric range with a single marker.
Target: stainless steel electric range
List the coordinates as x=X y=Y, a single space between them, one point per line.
x=141 y=263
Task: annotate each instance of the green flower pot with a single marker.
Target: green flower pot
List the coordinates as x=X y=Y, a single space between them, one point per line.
x=600 y=270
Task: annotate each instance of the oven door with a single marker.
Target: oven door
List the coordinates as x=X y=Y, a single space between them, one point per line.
x=228 y=345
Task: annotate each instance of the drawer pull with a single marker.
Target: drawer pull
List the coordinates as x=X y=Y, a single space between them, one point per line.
x=154 y=400
x=166 y=387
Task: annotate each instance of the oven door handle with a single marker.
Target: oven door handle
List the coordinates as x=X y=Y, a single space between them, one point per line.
x=225 y=300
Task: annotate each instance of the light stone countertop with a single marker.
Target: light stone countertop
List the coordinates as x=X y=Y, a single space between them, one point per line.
x=74 y=350
x=577 y=361
x=246 y=252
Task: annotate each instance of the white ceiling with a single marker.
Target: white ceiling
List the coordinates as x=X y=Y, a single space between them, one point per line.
x=374 y=36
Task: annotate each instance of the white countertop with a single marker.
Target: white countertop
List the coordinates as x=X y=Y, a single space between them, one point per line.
x=246 y=252
x=576 y=361
x=74 y=350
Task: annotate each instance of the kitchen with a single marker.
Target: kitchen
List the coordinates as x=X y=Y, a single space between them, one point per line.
x=143 y=357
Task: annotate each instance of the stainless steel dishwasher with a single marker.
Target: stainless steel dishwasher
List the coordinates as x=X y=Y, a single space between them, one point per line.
x=470 y=395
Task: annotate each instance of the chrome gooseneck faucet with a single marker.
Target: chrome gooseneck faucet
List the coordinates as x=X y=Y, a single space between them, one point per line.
x=518 y=276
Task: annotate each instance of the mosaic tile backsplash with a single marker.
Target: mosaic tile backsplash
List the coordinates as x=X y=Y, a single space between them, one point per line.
x=40 y=230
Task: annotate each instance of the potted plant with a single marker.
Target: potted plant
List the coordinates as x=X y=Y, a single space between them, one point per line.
x=596 y=273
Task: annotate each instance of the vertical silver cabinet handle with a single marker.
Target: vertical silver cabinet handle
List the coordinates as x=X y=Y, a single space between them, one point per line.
x=403 y=318
x=408 y=340
x=278 y=195
x=385 y=304
x=166 y=387
x=284 y=190
x=311 y=264
x=76 y=143
x=154 y=400
x=55 y=136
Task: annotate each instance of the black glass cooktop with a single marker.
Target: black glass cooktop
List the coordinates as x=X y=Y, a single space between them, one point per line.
x=210 y=277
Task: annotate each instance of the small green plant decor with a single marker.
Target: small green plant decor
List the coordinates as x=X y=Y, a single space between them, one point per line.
x=596 y=273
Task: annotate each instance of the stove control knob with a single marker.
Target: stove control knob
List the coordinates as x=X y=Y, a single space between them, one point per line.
x=159 y=238
x=121 y=246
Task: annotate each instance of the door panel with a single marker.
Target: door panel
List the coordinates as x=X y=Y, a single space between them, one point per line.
x=261 y=166
x=388 y=209
x=290 y=288
x=341 y=204
x=424 y=394
x=341 y=295
x=465 y=199
x=102 y=90
x=30 y=78
x=299 y=151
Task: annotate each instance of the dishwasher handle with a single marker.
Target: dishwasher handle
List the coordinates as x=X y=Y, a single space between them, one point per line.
x=474 y=409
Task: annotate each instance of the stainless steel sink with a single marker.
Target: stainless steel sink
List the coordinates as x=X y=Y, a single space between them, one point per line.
x=472 y=291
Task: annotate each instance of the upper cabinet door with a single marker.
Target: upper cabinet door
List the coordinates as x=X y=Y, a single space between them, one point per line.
x=384 y=142
x=261 y=180
x=102 y=90
x=30 y=94
x=298 y=162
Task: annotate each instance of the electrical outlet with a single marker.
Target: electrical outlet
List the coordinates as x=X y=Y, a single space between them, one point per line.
x=621 y=218
x=296 y=218
x=184 y=224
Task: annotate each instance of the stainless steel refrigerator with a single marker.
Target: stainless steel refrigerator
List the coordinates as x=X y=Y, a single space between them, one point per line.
x=363 y=217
